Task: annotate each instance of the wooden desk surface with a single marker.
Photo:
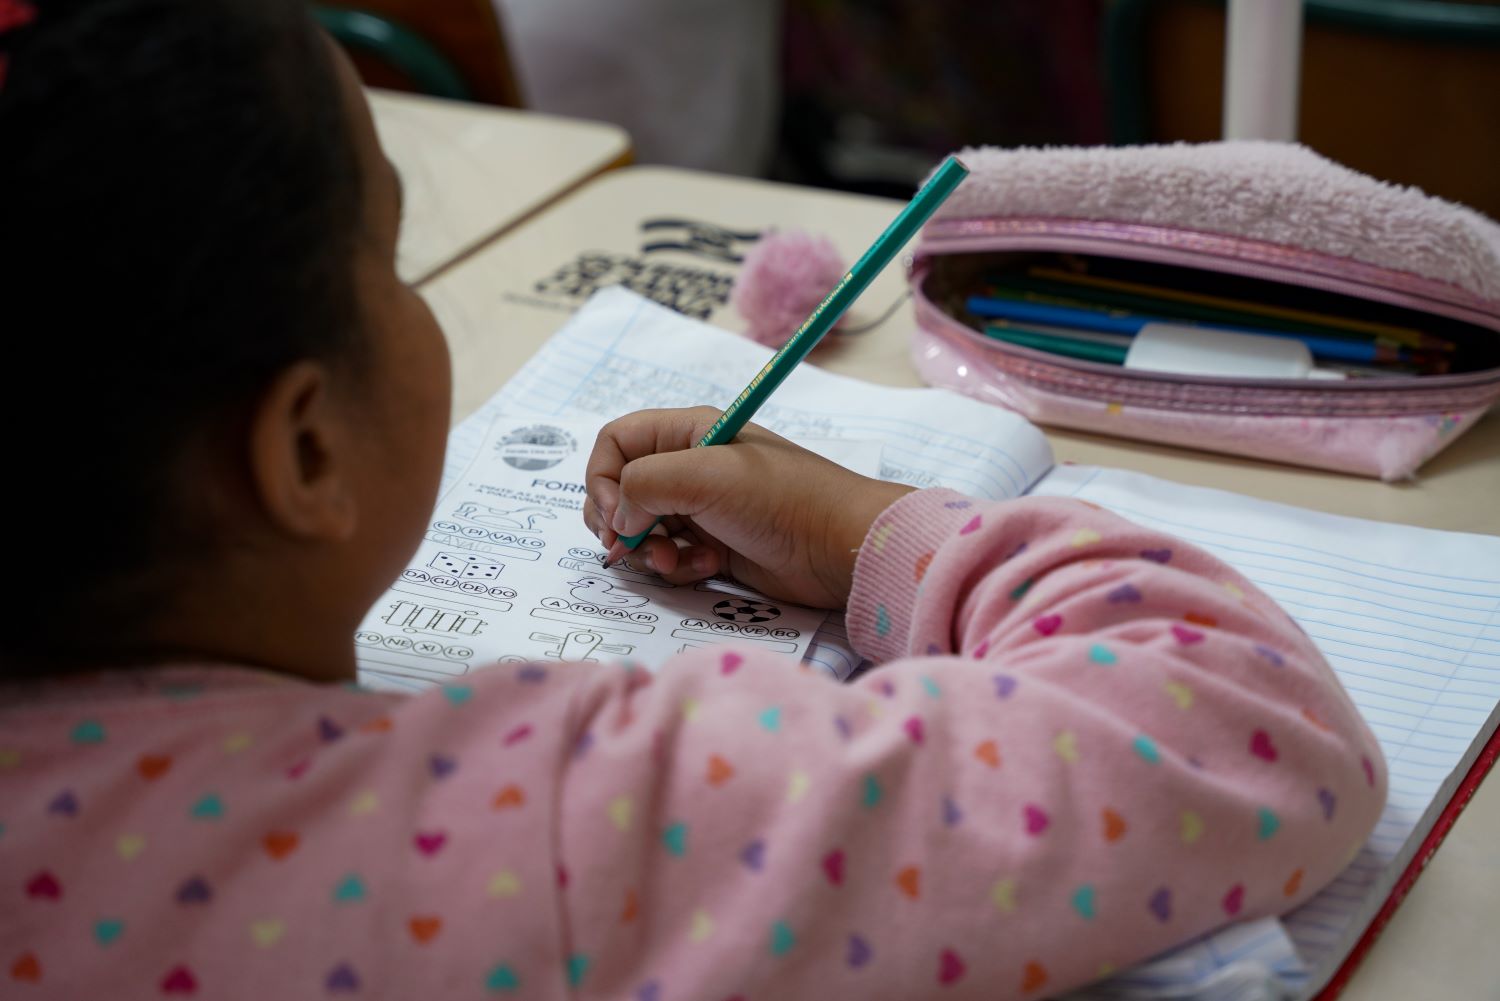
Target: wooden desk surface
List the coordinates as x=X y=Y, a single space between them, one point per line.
x=674 y=229
x=471 y=171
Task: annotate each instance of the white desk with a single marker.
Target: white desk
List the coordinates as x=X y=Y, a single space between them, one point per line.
x=472 y=171
x=499 y=306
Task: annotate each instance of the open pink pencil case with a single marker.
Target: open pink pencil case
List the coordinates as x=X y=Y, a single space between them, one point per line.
x=1268 y=222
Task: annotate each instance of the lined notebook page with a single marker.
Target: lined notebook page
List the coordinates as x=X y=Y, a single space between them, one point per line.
x=1408 y=617
x=1248 y=961
x=621 y=353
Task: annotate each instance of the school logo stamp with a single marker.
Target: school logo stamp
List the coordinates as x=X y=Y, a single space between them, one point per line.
x=540 y=446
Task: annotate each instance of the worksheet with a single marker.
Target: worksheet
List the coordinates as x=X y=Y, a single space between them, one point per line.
x=508 y=572
x=621 y=352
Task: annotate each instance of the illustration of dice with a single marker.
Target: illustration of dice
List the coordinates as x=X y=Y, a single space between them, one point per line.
x=466 y=565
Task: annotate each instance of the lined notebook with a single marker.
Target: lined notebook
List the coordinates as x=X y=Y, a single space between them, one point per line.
x=1410 y=620
x=1408 y=617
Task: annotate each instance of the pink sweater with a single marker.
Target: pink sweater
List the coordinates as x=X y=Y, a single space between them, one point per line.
x=1086 y=742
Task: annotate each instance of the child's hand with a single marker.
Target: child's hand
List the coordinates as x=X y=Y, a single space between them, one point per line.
x=769 y=513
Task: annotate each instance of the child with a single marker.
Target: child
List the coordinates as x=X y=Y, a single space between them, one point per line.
x=1084 y=743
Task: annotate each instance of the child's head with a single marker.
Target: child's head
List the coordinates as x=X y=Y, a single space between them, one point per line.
x=226 y=413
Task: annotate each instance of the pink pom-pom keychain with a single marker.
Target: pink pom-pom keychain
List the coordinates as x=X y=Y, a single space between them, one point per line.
x=784 y=277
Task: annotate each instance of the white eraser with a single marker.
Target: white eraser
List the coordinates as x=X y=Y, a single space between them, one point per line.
x=1169 y=347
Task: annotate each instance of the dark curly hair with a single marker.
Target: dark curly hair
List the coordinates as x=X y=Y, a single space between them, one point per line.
x=179 y=207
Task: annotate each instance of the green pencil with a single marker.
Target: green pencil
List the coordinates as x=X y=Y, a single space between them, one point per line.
x=886 y=246
x=1071 y=347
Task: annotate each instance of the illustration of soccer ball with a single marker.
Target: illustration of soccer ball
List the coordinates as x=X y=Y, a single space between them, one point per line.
x=745 y=611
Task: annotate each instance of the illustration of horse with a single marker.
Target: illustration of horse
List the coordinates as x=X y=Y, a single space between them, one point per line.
x=520 y=519
x=598 y=591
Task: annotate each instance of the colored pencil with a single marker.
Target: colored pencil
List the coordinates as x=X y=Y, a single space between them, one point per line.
x=1404 y=336
x=1118 y=340
x=1114 y=322
x=1050 y=293
x=1068 y=347
x=1112 y=349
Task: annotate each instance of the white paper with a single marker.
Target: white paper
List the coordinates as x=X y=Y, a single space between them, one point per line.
x=507 y=571
x=621 y=353
x=1408 y=617
x=1248 y=961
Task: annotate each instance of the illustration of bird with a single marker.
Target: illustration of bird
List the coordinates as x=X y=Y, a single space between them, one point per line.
x=521 y=519
x=599 y=591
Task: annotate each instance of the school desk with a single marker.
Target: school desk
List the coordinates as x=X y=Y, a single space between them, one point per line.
x=471 y=171
x=682 y=232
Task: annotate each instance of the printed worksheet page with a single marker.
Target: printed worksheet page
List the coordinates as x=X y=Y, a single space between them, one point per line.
x=508 y=572
x=621 y=352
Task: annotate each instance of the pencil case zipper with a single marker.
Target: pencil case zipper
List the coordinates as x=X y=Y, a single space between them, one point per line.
x=1230 y=255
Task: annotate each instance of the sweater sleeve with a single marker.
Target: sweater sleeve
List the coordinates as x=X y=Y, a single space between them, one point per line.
x=1085 y=742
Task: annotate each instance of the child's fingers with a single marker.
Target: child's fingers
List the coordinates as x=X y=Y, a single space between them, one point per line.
x=592 y=519
x=658 y=553
x=695 y=563
x=633 y=436
x=671 y=527
x=603 y=498
x=673 y=483
x=676 y=550
x=598 y=524
x=647 y=432
x=699 y=554
x=640 y=558
x=680 y=529
x=678 y=563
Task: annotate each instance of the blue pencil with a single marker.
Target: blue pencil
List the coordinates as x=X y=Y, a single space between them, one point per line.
x=1130 y=324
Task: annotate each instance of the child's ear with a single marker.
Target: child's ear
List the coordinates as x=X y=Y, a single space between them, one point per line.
x=300 y=464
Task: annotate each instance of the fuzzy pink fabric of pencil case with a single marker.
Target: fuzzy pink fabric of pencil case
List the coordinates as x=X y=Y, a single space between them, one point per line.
x=1270 y=222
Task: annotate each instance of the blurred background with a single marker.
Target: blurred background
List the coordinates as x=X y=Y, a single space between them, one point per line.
x=865 y=95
